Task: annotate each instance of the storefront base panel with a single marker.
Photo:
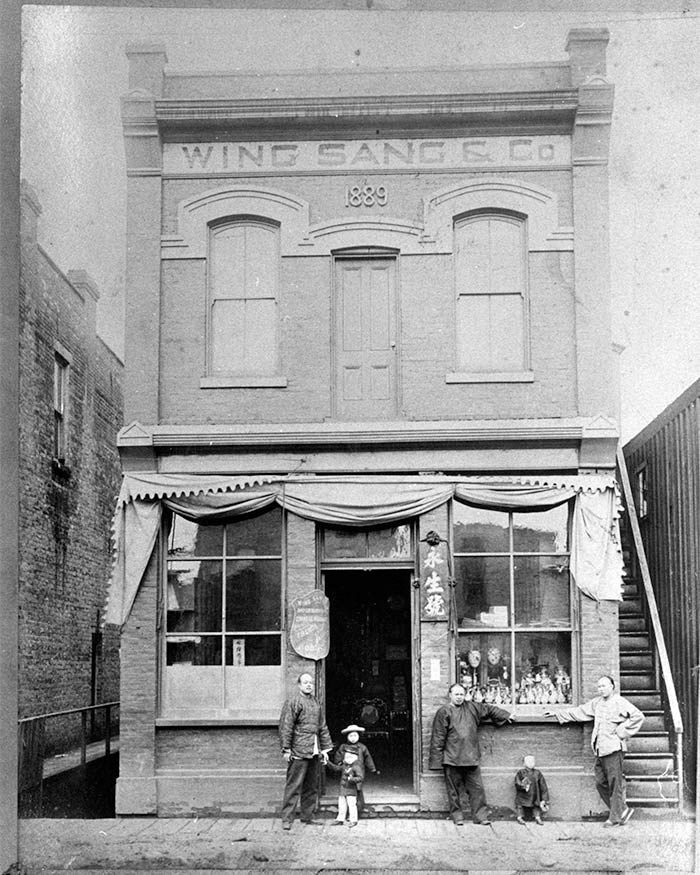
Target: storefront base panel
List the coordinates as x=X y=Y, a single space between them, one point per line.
x=219 y=795
x=136 y=796
x=572 y=793
x=198 y=749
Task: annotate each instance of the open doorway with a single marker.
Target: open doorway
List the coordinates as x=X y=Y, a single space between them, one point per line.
x=369 y=671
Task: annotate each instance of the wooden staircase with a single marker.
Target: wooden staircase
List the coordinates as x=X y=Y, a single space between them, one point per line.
x=650 y=763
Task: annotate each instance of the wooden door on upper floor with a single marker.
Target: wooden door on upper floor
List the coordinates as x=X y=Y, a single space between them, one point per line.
x=365 y=339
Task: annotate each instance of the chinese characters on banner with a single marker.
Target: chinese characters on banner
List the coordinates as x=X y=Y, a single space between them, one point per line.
x=434 y=578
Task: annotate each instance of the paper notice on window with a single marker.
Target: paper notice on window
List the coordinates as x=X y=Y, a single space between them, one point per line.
x=239 y=651
x=434 y=669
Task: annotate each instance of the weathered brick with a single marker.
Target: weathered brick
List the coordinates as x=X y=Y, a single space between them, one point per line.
x=65 y=513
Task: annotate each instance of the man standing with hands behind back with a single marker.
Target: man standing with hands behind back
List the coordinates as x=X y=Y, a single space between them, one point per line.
x=305 y=742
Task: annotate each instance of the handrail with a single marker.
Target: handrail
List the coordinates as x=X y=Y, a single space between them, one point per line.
x=31 y=746
x=69 y=711
x=653 y=615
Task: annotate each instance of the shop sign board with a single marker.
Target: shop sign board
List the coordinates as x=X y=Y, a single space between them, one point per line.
x=310 y=631
x=434 y=579
x=446 y=153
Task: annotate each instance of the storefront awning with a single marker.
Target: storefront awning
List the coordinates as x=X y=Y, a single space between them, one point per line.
x=596 y=556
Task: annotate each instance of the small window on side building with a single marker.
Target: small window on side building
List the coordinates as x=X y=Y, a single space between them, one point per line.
x=642 y=496
x=60 y=401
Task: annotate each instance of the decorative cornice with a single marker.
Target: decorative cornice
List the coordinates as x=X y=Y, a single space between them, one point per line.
x=339 y=108
x=389 y=433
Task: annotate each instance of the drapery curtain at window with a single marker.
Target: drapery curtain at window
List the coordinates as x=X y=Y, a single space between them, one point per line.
x=596 y=556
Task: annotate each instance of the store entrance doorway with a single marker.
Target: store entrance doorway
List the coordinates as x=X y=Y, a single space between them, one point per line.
x=369 y=678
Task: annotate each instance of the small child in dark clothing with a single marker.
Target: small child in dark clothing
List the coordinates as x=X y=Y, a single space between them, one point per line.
x=354 y=745
x=530 y=792
x=351 y=777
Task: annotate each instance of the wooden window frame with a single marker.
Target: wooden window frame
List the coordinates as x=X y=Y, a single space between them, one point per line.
x=511 y=630
x=461 y=373
x=216 y=379
x=220 y=715
x=641 y=490
x=61 y=376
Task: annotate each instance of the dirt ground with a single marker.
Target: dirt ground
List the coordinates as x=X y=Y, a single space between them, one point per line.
x=398 y=845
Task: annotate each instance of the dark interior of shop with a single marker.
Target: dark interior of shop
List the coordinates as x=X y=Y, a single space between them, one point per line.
x=368 y=670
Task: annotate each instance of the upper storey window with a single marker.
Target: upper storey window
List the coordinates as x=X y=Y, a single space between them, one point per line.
x=60 y=398
x=243 y=292
x=491 y=287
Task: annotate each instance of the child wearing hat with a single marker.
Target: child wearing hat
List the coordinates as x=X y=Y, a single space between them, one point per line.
x=353 y=743
x=364 y=757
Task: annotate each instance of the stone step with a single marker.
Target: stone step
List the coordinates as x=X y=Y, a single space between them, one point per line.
x=665 y=790
x=631 y=606
x=373 y=807
x=654 y=721
x=651 y=804
x=632 y=623
x=649 y=742
x=645 y=700
x=632 y=640
x=635 y=680
x=650 y=765
x=637 y=661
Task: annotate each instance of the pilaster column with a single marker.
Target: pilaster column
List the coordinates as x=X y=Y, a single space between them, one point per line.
x=142 y=145
x=597 y=392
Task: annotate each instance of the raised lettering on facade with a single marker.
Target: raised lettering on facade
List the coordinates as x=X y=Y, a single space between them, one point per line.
x=366 y=155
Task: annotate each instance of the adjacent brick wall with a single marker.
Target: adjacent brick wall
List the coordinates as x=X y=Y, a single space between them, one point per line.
x=65 y=512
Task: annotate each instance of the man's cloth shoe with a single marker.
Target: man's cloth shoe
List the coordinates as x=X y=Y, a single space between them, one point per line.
x=484 y=822
x=610 y=823
x=286 y=824
x=521 y=820
x=538 y=820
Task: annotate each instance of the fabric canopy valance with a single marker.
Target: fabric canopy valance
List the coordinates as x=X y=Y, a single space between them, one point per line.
x=596 y=556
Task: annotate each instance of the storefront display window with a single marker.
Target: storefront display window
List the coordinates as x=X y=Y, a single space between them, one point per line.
x=514 y=605
x=223 y=621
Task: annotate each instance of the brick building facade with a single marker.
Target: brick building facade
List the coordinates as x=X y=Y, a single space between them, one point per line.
x=71 y=409
x=371 y=396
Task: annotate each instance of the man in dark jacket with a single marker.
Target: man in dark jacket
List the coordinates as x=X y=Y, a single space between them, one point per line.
x=454 y=746
x=305 y=741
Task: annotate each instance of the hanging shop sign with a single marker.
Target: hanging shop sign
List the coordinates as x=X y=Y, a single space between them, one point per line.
x=434 y=580
x=310 y=631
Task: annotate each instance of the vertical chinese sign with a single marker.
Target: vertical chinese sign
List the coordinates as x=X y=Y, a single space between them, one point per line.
x=434 y=578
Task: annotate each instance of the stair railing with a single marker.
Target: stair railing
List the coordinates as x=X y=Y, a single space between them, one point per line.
x=655 y=619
